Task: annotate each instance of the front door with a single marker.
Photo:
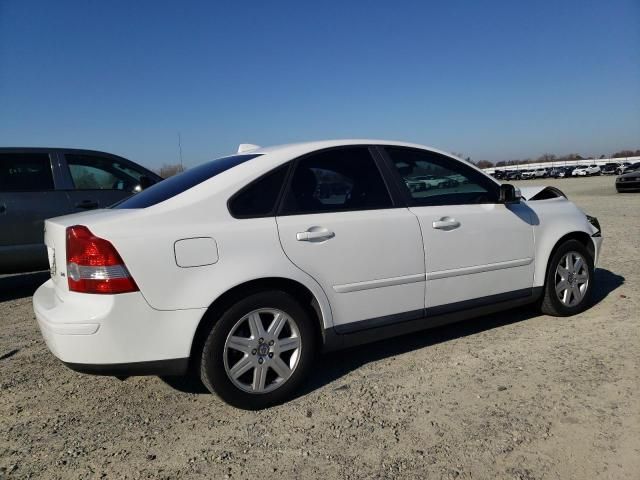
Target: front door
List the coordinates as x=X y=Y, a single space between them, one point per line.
x=477 y=251
x=99 y=181
x=338 y=224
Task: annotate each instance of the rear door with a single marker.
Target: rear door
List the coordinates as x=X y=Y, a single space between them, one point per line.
x=339 y=224
x=27 y=197
x=99 y=181
x=477 y=251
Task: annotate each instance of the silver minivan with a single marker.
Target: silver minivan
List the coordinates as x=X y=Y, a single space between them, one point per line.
x=40 y=183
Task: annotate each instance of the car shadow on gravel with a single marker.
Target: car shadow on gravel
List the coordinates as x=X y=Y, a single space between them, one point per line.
x=338 y=364
x=14 y=287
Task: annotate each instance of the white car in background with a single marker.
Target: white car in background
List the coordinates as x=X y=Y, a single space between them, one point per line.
x=540 y=173
x=586 y=170
x=240 y=271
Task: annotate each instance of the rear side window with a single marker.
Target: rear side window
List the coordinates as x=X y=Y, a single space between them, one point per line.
x=25 y=172
x=336 y=180
x=260 y=197
x=173 y=186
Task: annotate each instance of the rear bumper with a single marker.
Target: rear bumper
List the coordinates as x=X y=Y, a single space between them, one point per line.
x=177 y=366
x=115 y=334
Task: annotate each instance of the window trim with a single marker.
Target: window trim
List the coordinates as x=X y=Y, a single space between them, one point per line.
x=51 y=168
x=287 y=166
x=410 y=200
x=377 y=162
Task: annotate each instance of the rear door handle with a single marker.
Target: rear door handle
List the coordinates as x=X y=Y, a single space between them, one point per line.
x=3 y=208
x=315 y=234
x=446 y=223
x=88 y=204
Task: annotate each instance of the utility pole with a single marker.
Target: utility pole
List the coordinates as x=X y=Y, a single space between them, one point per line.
x=180 y=151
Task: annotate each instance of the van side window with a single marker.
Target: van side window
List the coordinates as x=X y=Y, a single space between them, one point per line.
x=25 y=172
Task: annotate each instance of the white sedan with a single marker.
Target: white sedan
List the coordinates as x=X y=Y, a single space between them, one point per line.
x=586 y=170
x=242 y=269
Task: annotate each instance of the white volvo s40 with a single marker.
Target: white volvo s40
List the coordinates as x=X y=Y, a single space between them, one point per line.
x=240 y=270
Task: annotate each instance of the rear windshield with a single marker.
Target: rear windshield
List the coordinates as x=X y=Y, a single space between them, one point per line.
x=171 y=187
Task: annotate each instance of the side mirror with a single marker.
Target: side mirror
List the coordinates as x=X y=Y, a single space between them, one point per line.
x=509 y=194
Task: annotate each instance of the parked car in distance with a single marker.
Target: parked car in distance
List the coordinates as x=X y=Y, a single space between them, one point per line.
x=240 y=271
x=540 y=173
x=40 y=183
x=528 y=174
x=586 y=170
x=554 y=172
x=610 y=168
x=566 y=172
x=630 y=180
x=513 y=175
x=623 y=167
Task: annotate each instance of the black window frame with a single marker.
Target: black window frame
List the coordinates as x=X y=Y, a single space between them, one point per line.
x=440 y=160
x=396 y=201
x=51 y=169
x=288 y=166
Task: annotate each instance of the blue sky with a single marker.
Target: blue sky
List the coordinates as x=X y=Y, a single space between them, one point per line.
x=493 y=79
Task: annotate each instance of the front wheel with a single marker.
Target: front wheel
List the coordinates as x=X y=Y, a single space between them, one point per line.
x=260 y=351
x=569 y=281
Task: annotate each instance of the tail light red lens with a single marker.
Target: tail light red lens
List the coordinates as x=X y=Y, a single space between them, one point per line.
x=94 y=265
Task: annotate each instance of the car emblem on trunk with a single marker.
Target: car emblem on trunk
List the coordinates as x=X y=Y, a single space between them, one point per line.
x=52 y=269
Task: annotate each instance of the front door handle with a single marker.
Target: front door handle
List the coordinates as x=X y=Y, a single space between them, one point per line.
x=446 y=223
x=88 y=204
x=3 y=209
x=315 y=234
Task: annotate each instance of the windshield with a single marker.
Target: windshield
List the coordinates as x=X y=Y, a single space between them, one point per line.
x=177 y=184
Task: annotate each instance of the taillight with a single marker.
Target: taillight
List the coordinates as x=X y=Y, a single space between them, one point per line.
x=94 y=265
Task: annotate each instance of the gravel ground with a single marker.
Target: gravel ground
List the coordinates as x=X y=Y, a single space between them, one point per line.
x=515 y=395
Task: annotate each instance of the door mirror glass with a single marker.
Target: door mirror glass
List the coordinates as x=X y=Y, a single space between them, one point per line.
x=509 y=194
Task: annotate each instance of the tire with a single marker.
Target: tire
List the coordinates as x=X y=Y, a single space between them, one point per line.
x=259 y=385
x=573 y=301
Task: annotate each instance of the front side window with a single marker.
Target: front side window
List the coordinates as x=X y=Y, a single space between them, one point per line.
x=91 y=172
x=336 y=180
x=25 y=172
x=433 y=179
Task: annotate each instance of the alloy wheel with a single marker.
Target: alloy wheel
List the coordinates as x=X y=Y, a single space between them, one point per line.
x=262 y=350
x=571 y=279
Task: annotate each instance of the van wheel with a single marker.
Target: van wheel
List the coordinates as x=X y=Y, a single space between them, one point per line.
x=569 y=281
x=260 y=351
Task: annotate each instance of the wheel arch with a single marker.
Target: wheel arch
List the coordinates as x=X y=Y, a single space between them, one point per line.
x=300 y=292
x=582 y=237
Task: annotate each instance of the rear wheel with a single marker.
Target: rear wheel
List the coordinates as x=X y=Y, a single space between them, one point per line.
x=569 y=280
x=260 y=351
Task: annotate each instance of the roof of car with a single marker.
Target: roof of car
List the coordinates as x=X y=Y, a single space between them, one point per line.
x=322 y=144
x=52 y=149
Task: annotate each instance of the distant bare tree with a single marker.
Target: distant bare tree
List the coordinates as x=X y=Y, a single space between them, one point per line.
x=626 y=153
x=547 y=157
x=167 y=171
x=485 y=164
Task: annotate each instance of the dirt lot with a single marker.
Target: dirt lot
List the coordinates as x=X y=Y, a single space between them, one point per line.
x=516 y=395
